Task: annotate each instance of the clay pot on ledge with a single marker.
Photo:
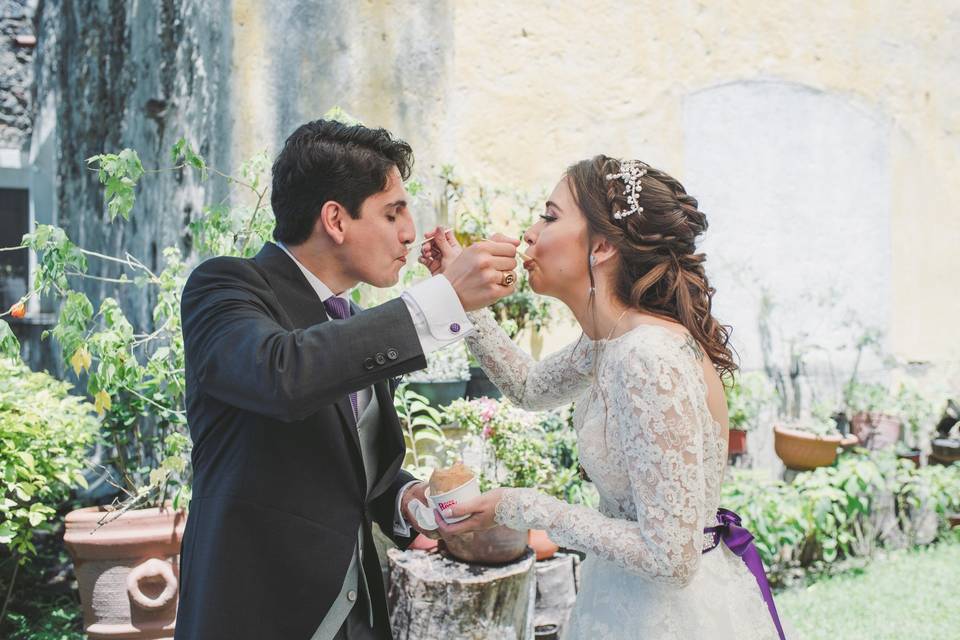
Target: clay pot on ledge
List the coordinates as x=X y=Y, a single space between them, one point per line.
x=422 y=543
x=803 y=451
x=736 y=442
x=876 y=430
x=913 y=455
x=542 y=545
x=127 y=570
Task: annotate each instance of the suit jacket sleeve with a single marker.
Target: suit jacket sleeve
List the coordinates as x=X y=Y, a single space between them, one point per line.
x=241 y=355
x=384 y=507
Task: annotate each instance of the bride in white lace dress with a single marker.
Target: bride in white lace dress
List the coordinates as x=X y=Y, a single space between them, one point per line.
x=616 y=244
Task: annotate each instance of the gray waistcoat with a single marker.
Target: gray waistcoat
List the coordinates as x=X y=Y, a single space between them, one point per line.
x=355 y=580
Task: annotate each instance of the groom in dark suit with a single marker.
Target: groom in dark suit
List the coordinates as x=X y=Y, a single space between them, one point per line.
x=297 y=449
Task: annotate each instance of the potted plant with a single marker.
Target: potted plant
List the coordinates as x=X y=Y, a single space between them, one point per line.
x=446 y=376
x=515 y=451
x=917 y=410
x=749 y=394
x=126 y=554
x=809 y=443
x=472 y=220
x=946 y=449
x=873 y=414
x=427 y=445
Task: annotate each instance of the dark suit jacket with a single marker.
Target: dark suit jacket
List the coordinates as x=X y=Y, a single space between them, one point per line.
x=279 y=490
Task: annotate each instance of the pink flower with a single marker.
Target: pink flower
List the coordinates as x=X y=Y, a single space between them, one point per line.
x=488 y=410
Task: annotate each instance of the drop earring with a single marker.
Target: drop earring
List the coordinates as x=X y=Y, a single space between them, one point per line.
x=593 y=286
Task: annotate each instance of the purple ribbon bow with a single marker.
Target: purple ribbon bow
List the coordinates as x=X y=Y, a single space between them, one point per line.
x=740 y=542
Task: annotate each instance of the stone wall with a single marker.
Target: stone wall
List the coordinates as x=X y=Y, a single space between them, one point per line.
x=141 y=75
x=16 y=72
x=511 y=93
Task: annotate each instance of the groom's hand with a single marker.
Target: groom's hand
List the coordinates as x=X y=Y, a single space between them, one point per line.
x=439 y=250
x=416 y=491
x=477 y=274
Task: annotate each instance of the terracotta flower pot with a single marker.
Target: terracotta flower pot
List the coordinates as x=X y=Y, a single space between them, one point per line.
x=913 y=456
x=876 y=430
x=946 y=450
x=736 y=442
x=423 y=543
x=127 y=570
x=542 y=545
x=802 y=451
x=491 y=546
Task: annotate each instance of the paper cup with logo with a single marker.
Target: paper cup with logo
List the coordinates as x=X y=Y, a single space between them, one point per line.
x=425 y=515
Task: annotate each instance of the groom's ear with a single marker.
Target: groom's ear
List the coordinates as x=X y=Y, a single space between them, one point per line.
x=332 y=221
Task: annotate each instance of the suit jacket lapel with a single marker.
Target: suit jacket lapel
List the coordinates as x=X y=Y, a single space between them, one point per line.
x=392 y=441
x=304 y=308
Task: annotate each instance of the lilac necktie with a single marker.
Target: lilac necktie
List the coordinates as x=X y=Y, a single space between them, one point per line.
x=339 y=308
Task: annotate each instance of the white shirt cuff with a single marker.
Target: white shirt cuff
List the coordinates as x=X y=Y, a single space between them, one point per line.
x=400 y=525
x=437 y=313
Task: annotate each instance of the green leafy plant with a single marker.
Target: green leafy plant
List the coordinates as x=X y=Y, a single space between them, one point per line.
x=450 y=364
x=426 y=443
x=747 y=397
x=918 y=406
x=135 y=375
x=817 y=425
x=831 y=513
x=869 y=397
x=469 y=208
x=45 y=434
x=516 y=449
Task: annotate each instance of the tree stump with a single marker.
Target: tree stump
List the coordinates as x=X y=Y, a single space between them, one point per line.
x=556 y=590
x=435 y=597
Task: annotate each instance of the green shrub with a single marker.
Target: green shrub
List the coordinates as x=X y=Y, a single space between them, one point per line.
x=830 y=513
x=55 y=623
x=45 y=433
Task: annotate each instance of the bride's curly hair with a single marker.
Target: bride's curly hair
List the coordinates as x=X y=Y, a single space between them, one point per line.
x=660 y=272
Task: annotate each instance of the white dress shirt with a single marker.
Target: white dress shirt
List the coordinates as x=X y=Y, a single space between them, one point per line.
x=439 y=319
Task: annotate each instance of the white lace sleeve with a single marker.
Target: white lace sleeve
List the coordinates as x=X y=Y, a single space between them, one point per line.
x=653 y=419
x=531 y=385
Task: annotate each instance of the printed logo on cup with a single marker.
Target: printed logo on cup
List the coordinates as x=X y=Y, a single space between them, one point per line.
x=446 y=503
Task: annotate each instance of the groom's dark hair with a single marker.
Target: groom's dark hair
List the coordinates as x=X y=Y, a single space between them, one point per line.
x=326 y=160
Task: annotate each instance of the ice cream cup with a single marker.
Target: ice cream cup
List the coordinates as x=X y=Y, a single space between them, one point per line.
x=426 y=516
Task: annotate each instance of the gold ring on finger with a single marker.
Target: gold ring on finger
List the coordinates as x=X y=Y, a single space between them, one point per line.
x=509 y=277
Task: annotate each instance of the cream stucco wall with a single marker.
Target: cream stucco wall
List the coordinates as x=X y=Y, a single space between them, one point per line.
x=512 y=92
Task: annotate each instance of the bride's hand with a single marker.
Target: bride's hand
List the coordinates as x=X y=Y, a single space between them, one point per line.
x=440 y=249
x=482 y=511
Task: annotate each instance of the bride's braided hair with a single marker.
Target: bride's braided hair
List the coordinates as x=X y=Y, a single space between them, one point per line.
x=660 y=272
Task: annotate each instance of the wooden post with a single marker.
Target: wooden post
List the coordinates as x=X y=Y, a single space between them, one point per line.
x=432 y=596
x=556 y=590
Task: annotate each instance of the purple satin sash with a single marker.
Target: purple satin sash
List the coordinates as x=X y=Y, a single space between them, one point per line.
x=740 y=541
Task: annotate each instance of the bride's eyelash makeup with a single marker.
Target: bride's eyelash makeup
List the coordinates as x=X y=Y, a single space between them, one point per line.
x=547 y=217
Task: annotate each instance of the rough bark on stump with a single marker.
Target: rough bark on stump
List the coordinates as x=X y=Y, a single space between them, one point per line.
x=433 y=597
x=556 y=590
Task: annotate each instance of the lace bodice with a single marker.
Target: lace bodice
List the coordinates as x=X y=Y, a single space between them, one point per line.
x=646 y=438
